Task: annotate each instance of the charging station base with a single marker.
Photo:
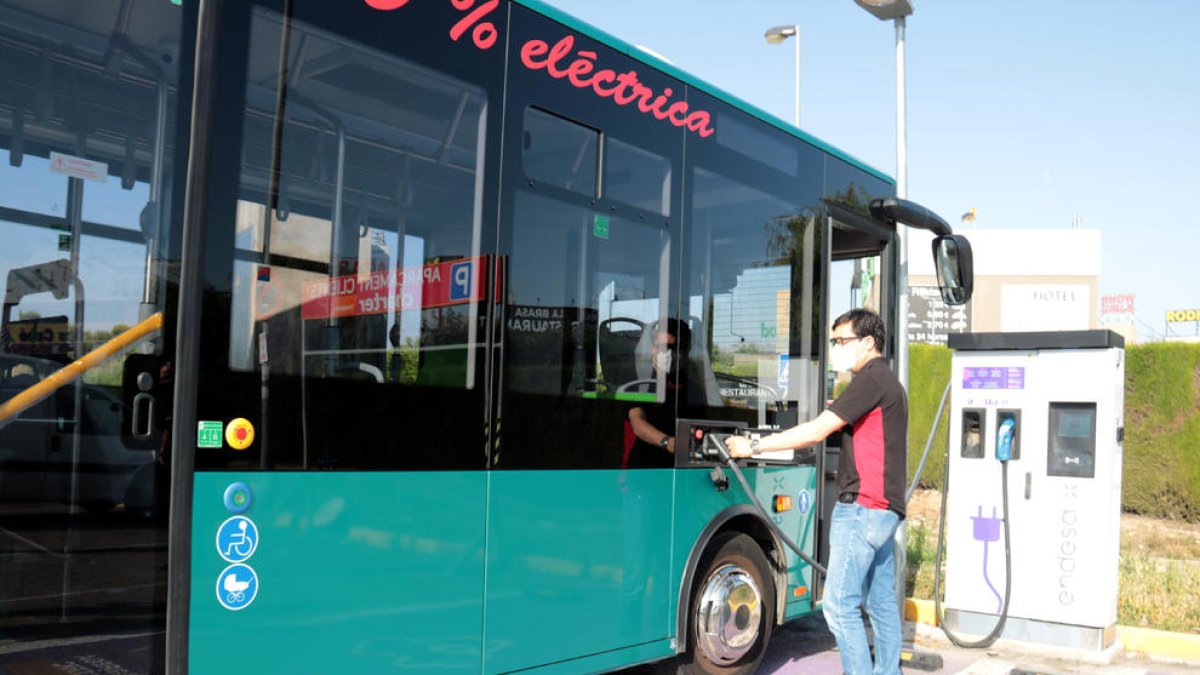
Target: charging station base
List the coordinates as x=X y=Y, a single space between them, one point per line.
x=1079 y=640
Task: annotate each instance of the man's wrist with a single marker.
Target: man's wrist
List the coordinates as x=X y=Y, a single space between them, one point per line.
x=664 y=442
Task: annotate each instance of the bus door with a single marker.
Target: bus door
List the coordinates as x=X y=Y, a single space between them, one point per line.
x=339 y=488
x=754 y=274
x=862 y=273
x=89 y=100
x=579 y=520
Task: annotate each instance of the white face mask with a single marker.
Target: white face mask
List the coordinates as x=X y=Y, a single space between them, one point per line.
x=842 y=358
x=662 y=361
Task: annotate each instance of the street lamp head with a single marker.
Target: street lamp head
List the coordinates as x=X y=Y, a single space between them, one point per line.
x=887 y=9
x=779 y=33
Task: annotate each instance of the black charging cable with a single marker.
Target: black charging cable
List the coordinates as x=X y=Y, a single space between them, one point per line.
x=723 y=454
x=937 y=567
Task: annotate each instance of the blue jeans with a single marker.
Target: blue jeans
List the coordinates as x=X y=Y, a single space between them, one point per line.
x=862 y=571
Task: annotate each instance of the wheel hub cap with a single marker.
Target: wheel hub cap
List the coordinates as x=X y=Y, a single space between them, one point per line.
x=729 y=614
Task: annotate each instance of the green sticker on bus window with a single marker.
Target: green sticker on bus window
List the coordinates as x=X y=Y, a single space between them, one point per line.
x=209 y=435
x=600 y=227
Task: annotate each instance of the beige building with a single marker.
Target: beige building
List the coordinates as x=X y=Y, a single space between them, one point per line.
x=1025 y=280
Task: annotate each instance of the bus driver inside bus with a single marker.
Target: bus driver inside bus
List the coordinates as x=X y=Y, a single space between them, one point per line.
x=654 y=424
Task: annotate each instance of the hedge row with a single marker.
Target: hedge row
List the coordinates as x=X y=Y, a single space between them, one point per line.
x=1162 y=425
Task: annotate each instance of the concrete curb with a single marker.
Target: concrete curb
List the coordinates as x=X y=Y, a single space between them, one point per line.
x=1158 y=645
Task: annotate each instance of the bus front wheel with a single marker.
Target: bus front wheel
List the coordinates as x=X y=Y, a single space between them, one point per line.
x=732 y=609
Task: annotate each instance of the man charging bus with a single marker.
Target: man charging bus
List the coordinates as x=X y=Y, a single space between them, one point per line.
x=872 y=414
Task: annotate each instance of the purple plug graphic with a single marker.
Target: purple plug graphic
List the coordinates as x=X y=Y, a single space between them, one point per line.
x=987 y=530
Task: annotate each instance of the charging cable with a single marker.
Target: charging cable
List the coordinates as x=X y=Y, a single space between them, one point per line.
x=1003 y=453
x=724 y=456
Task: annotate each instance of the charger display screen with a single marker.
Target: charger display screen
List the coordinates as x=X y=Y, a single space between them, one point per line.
x=1072 y=442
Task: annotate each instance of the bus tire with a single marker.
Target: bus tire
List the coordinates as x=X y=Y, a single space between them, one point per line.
x=732 y=610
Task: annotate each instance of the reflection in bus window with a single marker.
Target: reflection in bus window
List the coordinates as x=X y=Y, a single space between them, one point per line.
x=586 y=290
x=368 y=267
x=88 y=109
x=755 y=296
x=560 y=152
x=358 y=275
x=636 y=176
x=573 y=271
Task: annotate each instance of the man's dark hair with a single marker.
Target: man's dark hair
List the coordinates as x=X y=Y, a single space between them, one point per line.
x=864 y=323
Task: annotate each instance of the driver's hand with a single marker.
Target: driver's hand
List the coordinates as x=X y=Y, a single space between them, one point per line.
x=739 y=446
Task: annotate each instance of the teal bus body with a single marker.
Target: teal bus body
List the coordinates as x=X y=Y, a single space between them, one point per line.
x=375 y=572
x=363 y=572
x=380 y=291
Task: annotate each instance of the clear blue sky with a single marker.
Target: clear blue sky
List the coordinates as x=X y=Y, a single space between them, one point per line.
x=1031 y=111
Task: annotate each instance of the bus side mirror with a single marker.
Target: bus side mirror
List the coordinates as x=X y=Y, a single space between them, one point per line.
x=955 y=272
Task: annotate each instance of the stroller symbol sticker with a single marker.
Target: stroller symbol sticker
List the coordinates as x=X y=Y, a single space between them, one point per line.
x=237 y=538
x=236 y=587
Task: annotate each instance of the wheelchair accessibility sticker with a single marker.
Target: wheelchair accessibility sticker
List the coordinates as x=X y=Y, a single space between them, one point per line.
x=237 y=538
x=236 y=587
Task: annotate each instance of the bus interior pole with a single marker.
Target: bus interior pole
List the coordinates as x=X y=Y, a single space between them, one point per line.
x=274 y=187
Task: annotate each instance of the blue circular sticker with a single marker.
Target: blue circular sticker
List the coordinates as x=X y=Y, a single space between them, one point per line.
x=237 y=538
x=238 y=497
x=804 y=502
x=237 y=585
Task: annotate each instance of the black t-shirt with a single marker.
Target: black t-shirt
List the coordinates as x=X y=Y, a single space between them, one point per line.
x=874 y=459
x=662 y=416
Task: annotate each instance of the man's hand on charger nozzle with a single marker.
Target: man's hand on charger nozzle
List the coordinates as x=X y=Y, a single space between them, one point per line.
x=739 y=446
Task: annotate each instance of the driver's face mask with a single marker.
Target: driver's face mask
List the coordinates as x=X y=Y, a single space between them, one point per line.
x=663 y=359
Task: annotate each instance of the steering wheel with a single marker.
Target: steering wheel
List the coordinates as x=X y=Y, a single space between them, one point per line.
x=635 y=383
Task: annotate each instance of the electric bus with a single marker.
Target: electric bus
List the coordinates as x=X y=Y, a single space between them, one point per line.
x=323 y=323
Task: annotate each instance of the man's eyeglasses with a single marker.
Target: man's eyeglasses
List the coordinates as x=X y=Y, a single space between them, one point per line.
x=837 y=341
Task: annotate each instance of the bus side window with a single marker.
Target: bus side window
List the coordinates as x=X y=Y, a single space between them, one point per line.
x=757 y=296
x=360 y=284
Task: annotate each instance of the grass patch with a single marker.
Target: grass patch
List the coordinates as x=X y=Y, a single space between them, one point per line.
x=921 y=547
x=1159 y=593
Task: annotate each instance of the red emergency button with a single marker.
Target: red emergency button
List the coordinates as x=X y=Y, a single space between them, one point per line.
x=239 y=433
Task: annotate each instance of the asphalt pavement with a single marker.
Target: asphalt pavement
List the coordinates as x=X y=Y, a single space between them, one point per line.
x=805 y=647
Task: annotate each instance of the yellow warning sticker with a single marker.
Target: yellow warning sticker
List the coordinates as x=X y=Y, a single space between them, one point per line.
x=239 y=433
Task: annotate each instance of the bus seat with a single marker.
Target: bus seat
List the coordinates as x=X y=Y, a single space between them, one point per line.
x=616 y=344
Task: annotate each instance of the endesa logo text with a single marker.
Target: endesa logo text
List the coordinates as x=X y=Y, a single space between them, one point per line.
x=580 y=69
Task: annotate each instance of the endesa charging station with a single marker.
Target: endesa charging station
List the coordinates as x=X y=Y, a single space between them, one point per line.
x=1040 y=413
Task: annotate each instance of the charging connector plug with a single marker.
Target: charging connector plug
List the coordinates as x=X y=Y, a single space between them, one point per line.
x=1004 y=439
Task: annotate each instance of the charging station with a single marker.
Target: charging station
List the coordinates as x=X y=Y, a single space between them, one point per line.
x=1053 y=405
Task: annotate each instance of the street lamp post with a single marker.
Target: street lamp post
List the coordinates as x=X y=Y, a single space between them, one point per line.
x=776 y=36
x=897 y=11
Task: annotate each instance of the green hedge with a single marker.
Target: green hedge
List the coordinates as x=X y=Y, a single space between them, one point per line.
x=1162 y=425
x=1162 y=430
x=928 y=374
